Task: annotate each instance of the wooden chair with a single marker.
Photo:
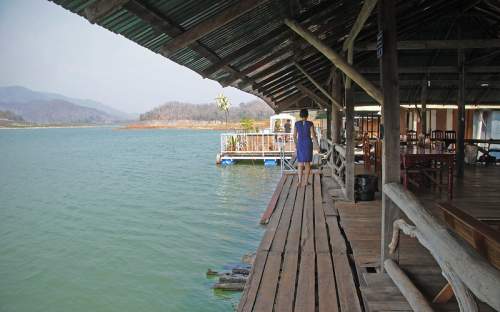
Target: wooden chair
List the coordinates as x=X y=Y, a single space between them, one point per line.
x=483 y=238
x=450 y=138
x=411 y=137
x=437 y=136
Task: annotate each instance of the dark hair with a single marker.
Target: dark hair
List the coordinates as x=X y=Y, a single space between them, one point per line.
x=304 y=113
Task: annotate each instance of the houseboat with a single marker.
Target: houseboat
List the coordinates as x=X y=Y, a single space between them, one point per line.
x=269 y=145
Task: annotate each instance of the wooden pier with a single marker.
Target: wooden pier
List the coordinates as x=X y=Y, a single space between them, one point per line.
x=323 y=254
x=302 y=263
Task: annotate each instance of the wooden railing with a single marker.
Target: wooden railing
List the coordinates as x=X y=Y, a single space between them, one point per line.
x=336 y=162
x=467 y=272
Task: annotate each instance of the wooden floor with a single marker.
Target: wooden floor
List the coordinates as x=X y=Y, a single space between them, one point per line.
x=478 y=194
x=302 y=263
x=318 y=254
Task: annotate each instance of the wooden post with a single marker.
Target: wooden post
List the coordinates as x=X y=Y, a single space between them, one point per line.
x=336 y=113
x=423 y=99
x=390 y=116
x=349 y=134
x=461 y=114
x=329 y=123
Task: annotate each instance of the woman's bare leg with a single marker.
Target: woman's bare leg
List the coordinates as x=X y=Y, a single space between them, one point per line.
x=301 y=168
x=307 y=169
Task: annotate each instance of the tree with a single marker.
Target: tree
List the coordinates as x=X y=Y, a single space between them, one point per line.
x=223 y=104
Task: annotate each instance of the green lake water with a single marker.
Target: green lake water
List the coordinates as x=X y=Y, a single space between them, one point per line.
x=100 y=219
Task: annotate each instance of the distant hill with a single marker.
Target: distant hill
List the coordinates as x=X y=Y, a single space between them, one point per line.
x=257 y=110
x=10 y=116
x=55 y=111
x=13 y=96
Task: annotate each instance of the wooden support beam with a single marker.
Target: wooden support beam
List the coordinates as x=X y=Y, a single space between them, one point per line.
x=210 y=24
x=390 y=117
x=411 y=293
x=349 y=143
x=336 y=113
x=102 y=8
x=363 y=15
x=319 y=100
x=435 y=70
x=435 y=44
x=317 y=85
x=423 y=100
x=337 y=60
x=289 y=102
x=460 y=147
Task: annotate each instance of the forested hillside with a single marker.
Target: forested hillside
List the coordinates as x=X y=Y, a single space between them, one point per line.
x=257 y=110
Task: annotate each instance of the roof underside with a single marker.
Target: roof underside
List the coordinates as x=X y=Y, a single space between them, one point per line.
x=255 y=51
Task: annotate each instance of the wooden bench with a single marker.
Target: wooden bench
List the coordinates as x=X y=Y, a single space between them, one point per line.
x=302 y=262
x=483 y=238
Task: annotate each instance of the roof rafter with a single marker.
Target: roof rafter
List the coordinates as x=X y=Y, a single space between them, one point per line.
x=317 y=85
x=101 y=8
x=211 y=24
x=435 y=44
x=318 y=99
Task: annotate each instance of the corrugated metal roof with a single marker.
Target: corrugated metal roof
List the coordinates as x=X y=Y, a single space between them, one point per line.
x=330 y=20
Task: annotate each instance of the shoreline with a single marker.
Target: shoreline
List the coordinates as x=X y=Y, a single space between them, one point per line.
x=59 y=127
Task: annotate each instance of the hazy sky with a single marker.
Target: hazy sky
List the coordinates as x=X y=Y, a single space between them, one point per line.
x=47 y=48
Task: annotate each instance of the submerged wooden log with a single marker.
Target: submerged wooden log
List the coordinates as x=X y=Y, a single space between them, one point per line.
x=233 y=279
x=230 y=286
x=242 y=271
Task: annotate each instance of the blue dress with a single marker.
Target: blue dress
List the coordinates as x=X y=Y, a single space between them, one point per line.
x=304 y=141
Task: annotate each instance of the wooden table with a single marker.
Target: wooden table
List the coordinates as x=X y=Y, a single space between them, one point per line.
x=421 y=160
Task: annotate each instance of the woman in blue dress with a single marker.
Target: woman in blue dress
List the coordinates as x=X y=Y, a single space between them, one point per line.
x=304 y=145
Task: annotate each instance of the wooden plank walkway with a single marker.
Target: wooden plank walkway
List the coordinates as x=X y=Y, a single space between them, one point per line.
x=302 y=262
x=361 y=223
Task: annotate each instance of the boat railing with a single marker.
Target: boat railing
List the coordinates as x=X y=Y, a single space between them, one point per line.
x=254 y=143
x=464 y=268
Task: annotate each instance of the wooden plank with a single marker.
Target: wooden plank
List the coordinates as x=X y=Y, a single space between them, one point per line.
x=327 y=293
x=307 y=235
x=286 y=290
x=267 y=291
x=252 y=285
x=211 y=24
x=274 y=200
x=348 y=296
x=267 y=240
x=293 y=241
x=320 y=231
x=337 y=241
x=284 y=225
x=305 y=300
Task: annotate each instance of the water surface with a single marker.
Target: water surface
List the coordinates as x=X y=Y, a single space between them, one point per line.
x=106 y=220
